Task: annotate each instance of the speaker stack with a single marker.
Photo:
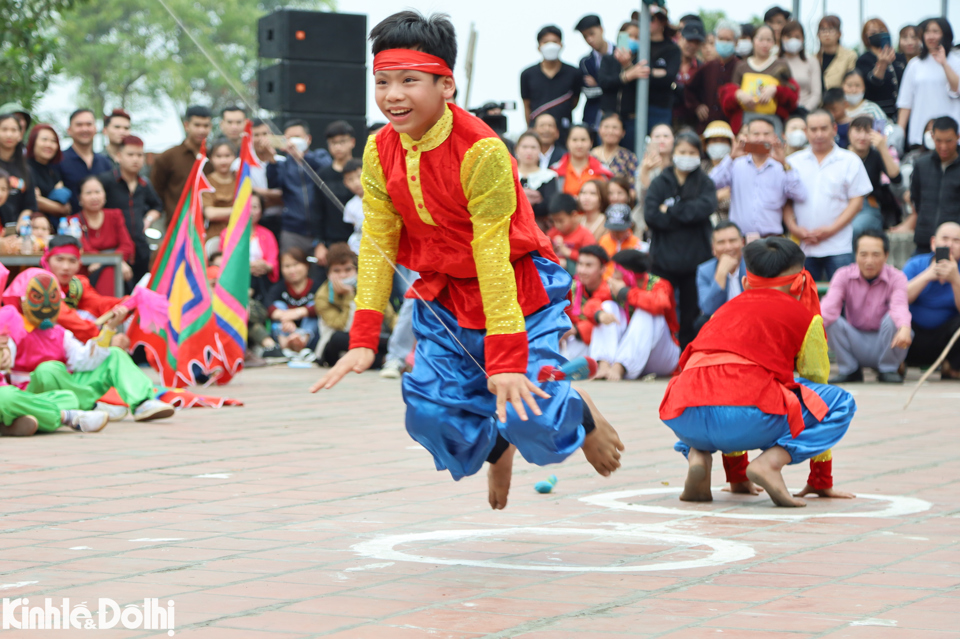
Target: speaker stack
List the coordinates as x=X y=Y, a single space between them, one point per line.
x=321 y=74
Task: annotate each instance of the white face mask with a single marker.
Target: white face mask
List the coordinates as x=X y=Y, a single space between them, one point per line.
x=797 y=138
x=853 y=99
x=300 y=144
x=928 y=141
x=718 y=150
x=793 y=45
x=744 y=48
x=550 y=50
x=686 y=162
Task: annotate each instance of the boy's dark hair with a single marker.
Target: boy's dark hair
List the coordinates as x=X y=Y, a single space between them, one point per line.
x=880 y=235
x=550 y=29
x=775 y=11
x=945 y=123
x=563 y=203
x=221 y=141
x=63 y=240
x=116 y=113
x=340 y=253
x=233 y=107
x=296 y=254
x=197 y=111
x=412 y=30
x=255 y=122
x=946 y=40
x=213 y=257
x=727 y=224
x=633 y=260
x=772 y=256
x=339 y=127
x=597 y=251
x=297 y=122
x=376 y=126
x=78 y=112
x=862 y=122
x=353 y=164
x=832 y=96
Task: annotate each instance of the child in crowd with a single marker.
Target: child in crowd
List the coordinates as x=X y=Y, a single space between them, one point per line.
x=353 y=209
x=290 y=304
x=619 y=236
x=737 y=391
x=218 y=204
x=835 y=102
x=568 y=234
x=593 y=202
x=40 y=231
x=589 y=292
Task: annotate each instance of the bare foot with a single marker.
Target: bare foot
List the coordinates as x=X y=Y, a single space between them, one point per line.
x=765 y=471
x=296 y=342
x=602 y=445
x=498 y=478
x=829 y=492
x=603 y=369
x=617 y=371
x=697 y=485
x=20 y=427
x=743 y=488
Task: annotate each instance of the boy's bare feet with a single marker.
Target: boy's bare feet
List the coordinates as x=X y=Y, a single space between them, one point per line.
x=602 y=445
x=829 y=492
x=603 y=369
x=296 y=342
x=743 y=488
x=697 y=485
x=498 y=478
x=20 y=427
x=765 y=471
x=617 y=371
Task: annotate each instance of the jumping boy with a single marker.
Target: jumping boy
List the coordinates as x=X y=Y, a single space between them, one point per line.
x=442 y=197
x=737 y=390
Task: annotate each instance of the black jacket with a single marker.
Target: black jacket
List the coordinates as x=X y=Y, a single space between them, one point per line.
x=935 y=194
x=680 y=238
x=883 y=91
x=622 y=98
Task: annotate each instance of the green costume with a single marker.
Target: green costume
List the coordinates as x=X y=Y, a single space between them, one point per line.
x=118 y=370
x=45 y=407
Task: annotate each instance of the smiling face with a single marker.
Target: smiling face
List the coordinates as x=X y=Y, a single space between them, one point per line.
x=46 y=146
x=932 y=36
x=413 y=101
x=589 y=270
x=221 y=159
x=41 y=301
x=82 y=128
x=579 y=143
x=92 y=196
x=611 y=131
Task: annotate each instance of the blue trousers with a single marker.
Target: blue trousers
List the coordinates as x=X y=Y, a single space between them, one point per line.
x=450 y=411
x=823 y=268
x=734 y=428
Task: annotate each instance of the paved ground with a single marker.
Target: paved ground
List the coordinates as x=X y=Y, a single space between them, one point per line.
x=285 y=519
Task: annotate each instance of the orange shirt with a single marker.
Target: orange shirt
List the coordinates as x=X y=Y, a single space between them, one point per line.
x=611 y=246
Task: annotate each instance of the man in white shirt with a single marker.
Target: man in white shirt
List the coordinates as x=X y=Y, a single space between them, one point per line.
x=836 y=184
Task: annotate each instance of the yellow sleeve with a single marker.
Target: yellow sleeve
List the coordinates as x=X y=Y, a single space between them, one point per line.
x=813 y=362
x=381 y=235
x=487 y=179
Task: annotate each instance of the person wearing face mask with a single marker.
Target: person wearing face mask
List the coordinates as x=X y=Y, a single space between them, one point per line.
x=854 y=86
x=795 y=134
x=700 y=94
x=744 y=46
x=931 y=81
x=761 y=85
x=935 y=185
x=805 y=69
x=551 y=86
x=881 y=66
x=677 y=210
x=718 y=140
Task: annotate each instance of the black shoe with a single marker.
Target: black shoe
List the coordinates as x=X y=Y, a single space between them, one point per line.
x=273 y=352
x=855 y=376
x=890 y=377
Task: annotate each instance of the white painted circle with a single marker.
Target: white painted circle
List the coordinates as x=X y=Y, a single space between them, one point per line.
x=898 y=506
x=724 y=551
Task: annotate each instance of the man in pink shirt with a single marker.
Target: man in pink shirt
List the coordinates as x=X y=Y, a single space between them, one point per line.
x=867 y=315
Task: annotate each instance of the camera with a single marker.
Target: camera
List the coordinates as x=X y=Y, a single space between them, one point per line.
x=492 y=114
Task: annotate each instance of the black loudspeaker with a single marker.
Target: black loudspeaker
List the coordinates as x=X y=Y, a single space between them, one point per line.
x=313 y=35
x=320 y=87
x=318 y=123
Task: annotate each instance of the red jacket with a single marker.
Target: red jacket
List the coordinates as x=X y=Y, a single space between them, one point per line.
x=577 y=239
x=111 y=237
x=584 y=308
x=786 y=98
x=655 y=296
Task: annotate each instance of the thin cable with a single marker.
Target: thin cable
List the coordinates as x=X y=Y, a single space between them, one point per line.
x=317 y=180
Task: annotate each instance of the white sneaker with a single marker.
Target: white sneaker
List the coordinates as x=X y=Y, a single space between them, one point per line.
x=87 y=421
x=307 y=355
x=115 y=412
x=152 y=409
x=393 y=369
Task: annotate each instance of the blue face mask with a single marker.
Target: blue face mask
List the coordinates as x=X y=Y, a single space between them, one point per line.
x=725 y=49
x=634 y=47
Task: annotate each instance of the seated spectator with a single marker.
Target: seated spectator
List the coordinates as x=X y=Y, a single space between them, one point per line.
x=353 y=209
x=290 y=305
x=567 y=234
x=659 y=154
x=589 y=292
x=871 y=147
x=934 y=296
x=551 y=86
x=701 y=93
x=264 y=253
x=80 y=161
x=795 y=134
x=331 y=228
x=620 y=191
x=931 y=81
x=172 y=167
x=539 y=184
x=335 y=306
x=760 y=183
x=551 y=150
x=881 y=66
x=619 y=235
x=116 y=127
x=835 y=60
x=935 y=185
x=21 y=197
x=835 y=102
x=135 y=197
x=577 y=165
x=720 y=279
x=854 y=88
x=640 y=339
x=40 y=231
x=804 y=69
x=617 y=159
x=104 y=231
x=592 y=202
x=218 y=204
x=866 y=315
x=43 y=157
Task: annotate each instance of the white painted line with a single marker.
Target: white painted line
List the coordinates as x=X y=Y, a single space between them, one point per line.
x=213 y=476
x=898 y=506
x=81 y=548
x=19 y=584
x=159 y=539
x=369 y=567
x=887 y=623
x=724 y=551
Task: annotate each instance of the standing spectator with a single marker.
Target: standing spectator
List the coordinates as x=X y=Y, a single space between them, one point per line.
x=172 y=167
x=761 y=85
x=552 y=86
x=760 y=183
x=538 y=184
x=104 y=231
x=931 y=84
x=708 y=51
x=664 y=65
x=836 y=184
x=135 y=197
x=545 y=126
x=701 y=93
x=577 y=165
x=866 y=315
x=871 y=147
x=331 y=227
x=592 y=32
x=618 y=78
x=593 y=201
x=80 y=161
x=805 y=70
x=854 y=86
x=233 y=119
x=299 y=192
x=43 y=157
x=745 y=40
x=795 y=134
x=881 y=66
x=690 y=42
x=677 y=210
x=935 y=186
x=720 y=279
x=934 y=296
x=619 y=160
x=908 y=43
x=21 y=199
x=116 y=127
x=835 y=60
x=218 y=204
x=272 y=198
x=776 y=18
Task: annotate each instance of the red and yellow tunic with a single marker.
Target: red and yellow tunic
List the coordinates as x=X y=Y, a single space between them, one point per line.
x=450 y=207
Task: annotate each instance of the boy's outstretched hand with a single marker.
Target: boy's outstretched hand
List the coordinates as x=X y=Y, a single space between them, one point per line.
x=356 y=360
x=513 y=387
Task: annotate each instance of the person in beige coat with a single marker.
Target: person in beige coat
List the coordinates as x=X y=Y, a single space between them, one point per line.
x=834 y=59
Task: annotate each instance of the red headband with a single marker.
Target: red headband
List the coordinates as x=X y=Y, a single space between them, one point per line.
x=801 y=285
x=410 y=60
x=68 y=249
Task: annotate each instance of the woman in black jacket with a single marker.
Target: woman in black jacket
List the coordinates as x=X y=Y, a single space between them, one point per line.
x=677 y=210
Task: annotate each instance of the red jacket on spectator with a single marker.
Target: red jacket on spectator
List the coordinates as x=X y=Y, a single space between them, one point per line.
x=571 y=181
x=786 y=99
x=703 y=88
x=655 y=296
x=584 y=308
x=111 y=237
x=578 y=238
